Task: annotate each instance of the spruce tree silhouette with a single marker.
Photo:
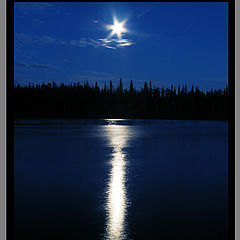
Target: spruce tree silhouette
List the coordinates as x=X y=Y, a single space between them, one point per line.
x=131 y=87
x=84 y=101
x=111 y=86
x=120 y=86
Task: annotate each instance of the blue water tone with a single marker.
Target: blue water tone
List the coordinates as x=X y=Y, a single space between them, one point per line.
x=117 y=179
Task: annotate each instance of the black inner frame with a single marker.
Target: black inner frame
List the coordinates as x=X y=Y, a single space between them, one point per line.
x=10 y=116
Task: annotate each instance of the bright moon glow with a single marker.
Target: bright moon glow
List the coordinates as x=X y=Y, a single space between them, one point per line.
x=117 y=28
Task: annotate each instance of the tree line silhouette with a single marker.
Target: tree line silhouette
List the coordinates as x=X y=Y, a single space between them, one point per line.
x=85 y=101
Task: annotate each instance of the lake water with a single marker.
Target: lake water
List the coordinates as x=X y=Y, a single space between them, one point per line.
x=121 y=179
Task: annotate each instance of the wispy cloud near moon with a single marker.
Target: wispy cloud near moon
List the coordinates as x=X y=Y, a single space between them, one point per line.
x=84 y=42
x=102 y=42
x=112 y=43
x=115 y=43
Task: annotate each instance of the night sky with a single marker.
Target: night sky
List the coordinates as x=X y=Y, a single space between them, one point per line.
x=167 y=43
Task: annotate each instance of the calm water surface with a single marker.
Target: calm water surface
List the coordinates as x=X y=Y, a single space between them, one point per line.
x=120 y=179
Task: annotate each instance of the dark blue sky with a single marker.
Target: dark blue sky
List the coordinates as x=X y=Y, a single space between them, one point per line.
x=165 y=42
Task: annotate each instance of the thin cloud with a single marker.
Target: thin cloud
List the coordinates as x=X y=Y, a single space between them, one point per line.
x=25 y=7
x=111 y=43
x=63 y=42
x=106 y=46
x=105 y=40
x=22 y=38
x=37 y=21
x=94 y=43
x=40 y=8
x=92 y=77
x=115 y=43
x=34 y=65
x=22 y=65
x=97 y=73
x=77 y=43
x=46 y=39
x=138 y=34
x=144 y=12
x=83 y=42
x=124 y=44
x=37 y=65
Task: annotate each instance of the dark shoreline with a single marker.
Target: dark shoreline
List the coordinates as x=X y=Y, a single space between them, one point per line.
x=117 y=117
x=85 y=102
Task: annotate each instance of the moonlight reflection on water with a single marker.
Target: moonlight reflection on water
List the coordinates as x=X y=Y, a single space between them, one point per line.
x=116 y=193
x=174 y=173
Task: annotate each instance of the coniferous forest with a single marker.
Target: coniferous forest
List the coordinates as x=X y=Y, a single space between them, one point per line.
x=84 y=101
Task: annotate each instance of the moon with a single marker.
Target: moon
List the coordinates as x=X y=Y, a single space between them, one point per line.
x=117 y=28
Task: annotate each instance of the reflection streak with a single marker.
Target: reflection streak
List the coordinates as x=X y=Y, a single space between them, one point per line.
x=116 y=194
